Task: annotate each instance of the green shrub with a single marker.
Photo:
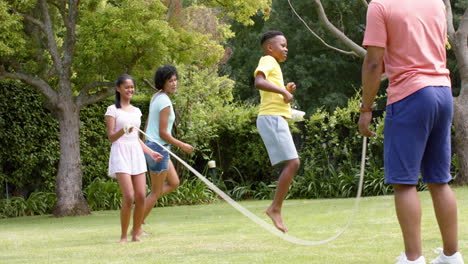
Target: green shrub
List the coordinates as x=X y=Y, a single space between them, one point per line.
x=38 y=203
x=331 y=155
x=103 y=194
x=239 y=149
x=29 y=139
x=330 y=150
x=191 y=191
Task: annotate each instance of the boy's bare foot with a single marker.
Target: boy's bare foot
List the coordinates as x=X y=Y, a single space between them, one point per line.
x=277 y=219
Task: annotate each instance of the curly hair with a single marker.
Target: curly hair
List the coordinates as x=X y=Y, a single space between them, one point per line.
x=163 y=74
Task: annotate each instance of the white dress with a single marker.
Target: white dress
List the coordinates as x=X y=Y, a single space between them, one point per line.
x=126 y=155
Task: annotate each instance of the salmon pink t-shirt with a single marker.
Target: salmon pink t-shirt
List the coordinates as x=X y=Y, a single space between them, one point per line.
x=413 y=34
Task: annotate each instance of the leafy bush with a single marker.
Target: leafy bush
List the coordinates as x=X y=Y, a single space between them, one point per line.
x=191 y=191
x=332 y=153
x=38 y=203
x=29 y=139
x=103 y=195
x=239 y=149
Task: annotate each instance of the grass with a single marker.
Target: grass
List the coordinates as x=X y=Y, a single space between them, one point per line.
x=217 y=233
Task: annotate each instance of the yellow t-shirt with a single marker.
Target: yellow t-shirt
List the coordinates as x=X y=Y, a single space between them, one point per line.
x=272 y=103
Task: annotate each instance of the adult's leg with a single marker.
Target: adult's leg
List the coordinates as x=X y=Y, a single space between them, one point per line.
x=408 y=210
x=157 y=182
x=139 y=187
x=445 y=208
x=126 y=187
x=172 y=180
x=286 y=176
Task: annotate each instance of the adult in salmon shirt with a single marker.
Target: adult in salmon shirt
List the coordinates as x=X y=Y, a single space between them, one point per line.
x=406 y=39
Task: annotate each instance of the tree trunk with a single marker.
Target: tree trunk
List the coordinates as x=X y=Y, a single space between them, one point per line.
x=70 y=199
x=460 y=121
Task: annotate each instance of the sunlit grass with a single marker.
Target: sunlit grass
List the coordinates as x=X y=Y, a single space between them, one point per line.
x=217 y=233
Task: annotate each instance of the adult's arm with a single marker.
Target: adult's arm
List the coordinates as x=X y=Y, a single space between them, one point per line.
x=372 y=69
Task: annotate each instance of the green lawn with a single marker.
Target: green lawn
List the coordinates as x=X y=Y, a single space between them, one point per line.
x=217 y=233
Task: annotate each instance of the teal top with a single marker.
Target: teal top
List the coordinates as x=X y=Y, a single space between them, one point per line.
x=159 y=102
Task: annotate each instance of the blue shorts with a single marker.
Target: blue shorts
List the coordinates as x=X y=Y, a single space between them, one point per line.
x=278 y=140
x=417 y=137
x=163 y=164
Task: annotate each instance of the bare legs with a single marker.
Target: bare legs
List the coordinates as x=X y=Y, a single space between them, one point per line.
x=172 y=180
x=408 y=209
x=160 y=187
x=133 y=189
x=445 y=208
x=285 y=178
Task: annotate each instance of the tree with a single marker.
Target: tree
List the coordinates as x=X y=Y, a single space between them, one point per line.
x=310 y=64
x=71 y=50
x=458 y=39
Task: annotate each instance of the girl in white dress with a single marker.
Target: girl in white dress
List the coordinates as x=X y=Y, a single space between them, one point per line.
x=127 y=161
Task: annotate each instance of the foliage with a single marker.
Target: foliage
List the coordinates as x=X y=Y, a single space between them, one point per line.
x=28 y=136
x=239 y=149
x=9 y=24
x=222 y=131
x=313 y=67
x=103 y=195
x=70 y=50
x=137 y=46
x=199 y=101
x=38 y=203
x=241 y=10
x=330 y=161
x=191 y=191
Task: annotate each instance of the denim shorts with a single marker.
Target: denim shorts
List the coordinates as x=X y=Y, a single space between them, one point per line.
x=417 y=137
x=163 y=164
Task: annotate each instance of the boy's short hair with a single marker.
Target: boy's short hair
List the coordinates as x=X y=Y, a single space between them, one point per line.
x=269 y=35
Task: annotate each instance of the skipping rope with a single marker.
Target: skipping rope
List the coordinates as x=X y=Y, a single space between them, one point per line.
x=261 y=222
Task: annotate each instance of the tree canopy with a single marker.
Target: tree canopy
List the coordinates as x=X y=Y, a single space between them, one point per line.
x=71 y=51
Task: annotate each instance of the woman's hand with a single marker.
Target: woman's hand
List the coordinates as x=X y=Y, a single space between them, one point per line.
x=156 y=156
x=187 y=148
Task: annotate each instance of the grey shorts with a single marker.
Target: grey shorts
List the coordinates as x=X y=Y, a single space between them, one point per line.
x=275 y=133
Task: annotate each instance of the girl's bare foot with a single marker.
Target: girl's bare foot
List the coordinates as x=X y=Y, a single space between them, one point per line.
x=136 y=239
x=123 y=240
x=277 y=219
x=141 y=232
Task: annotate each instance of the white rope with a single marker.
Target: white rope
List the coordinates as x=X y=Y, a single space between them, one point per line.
x=316 y=35
x=260 y=221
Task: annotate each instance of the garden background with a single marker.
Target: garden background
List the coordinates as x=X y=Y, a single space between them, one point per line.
x=59 y=61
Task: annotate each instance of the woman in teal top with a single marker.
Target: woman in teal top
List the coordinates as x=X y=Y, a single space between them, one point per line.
x=164 y=178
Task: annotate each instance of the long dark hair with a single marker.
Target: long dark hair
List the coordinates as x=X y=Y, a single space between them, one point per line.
x=163 y=74
x=119 y=82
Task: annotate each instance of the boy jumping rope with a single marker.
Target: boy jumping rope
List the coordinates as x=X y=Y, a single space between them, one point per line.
x=271 y=121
